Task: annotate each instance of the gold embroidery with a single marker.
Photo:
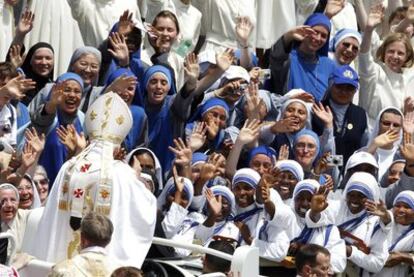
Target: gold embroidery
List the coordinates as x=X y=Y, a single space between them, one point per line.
x=104 y=193
x=93 y=115
x=120 y=120
x=63 y=205
x=74 y=245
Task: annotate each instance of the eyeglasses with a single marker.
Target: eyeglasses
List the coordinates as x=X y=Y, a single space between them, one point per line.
x=43 y=181
x=389 y=124
x=302 y=146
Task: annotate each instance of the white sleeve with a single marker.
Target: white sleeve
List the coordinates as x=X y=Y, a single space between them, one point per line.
x=275 y=250
x=368 y=71
x=328 y=216
x=173 y=220
x=204 y=233
x=336 y=247
x=375 y=260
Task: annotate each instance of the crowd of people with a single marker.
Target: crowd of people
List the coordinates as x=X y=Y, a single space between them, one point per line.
x=283 y=125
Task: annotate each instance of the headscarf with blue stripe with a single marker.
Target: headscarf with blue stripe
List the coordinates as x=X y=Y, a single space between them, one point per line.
x=226 y=193
x=407 y=197
x=246 y=175
x=170 y=189
x=364 y=183
x=198 y=157
x=293 y=167
x=309 y=185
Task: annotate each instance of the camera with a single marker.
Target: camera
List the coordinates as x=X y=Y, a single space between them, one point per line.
x=264 y=74
x=335 y=160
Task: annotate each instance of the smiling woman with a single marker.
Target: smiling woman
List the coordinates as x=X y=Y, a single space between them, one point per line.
x=61 y=108
x=38 y=66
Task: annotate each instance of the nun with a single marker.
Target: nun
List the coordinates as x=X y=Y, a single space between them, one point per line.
x=62 y=108
x=248 y=213
x=167 y=112
x=326 y=236
x=401 y=243
x=365 y=234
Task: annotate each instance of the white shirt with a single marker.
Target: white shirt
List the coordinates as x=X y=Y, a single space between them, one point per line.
x=380 y=87
x=189 y=18
x=97 y=17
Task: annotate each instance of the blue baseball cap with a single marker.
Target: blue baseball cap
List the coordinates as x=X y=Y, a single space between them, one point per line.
x=344 y=74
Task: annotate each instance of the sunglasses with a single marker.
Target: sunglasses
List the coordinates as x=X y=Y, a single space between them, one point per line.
x=44 y=181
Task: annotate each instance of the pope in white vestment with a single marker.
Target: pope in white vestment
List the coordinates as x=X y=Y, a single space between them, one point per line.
x=92 y=181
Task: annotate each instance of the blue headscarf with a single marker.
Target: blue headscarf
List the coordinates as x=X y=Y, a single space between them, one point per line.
x=158 y=69
x=70 y=76
x=135 y=65
x=264 y=150
x=307 y=132
x=208 y=105
x=198 y=157
x=225 y=192
x=138 y=97
x=320 y=19
x=159 y=121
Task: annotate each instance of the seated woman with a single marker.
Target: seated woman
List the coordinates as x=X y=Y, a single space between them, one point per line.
x=85 y=62
x=357 y=217
x=138 y=135
x=326 y=236
x=28 y=195
x=299 y=58
x=167 y=111
x=400 y=246
x=248 y=213
x=385 y=81
x=38 y=66
x=386 y=137
x=62 y=108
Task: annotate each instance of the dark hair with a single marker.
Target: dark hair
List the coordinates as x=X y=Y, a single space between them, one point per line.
x=140 y=152
x=126 y=271
x=216 y=264
x=97 y=229
x=169 y=15
x=307 y=255
x=7 y=70
x=400 y=13
x=391 y=110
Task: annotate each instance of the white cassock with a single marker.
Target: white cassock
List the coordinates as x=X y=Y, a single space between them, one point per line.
x=189 y=18
x=346 y=18
x=6 y=28
x=93 y=181
x=132 y=213
x=402 y=240
x=97 y=17
x=328 y=237
x=276 y=17
x=220 y=22
x=54 y=24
